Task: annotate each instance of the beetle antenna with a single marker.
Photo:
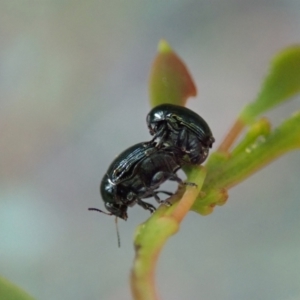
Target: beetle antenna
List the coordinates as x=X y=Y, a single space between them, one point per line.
x=116 y=222
x=118 y=233
x=99 y=210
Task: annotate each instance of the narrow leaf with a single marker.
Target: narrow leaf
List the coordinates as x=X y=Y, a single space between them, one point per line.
x=282 y=82
x=9 y=291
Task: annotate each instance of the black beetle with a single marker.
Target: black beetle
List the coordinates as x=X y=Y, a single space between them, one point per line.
x=136 y=174
x=180 y=127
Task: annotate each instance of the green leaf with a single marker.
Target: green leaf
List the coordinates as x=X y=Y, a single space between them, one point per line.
x=282 y=82
x=9 y=291
x=243 y=164
x=170 y=81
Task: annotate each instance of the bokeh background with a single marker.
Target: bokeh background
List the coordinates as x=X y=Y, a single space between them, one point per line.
x=73 y=94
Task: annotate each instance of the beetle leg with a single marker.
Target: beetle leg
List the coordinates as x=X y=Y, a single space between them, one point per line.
x=146 y=206
x=164 y=202
x=174 y=177
x=165 y=192
x=182 y=139
x=162 y=139
x=171 y=128
x=161 y=177
x=161 y=134
x=190 y=183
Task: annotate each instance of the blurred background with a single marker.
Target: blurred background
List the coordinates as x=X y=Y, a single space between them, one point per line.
x=73 y=95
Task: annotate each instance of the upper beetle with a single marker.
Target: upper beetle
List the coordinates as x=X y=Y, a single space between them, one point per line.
x=181 y=127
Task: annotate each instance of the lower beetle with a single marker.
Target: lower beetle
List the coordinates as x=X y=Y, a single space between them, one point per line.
x=136 y=174
x=180 y=127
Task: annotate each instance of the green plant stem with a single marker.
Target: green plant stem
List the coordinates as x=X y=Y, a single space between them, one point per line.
x=152 y=235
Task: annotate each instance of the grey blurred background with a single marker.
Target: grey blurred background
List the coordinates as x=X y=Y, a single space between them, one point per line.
x=73 y=94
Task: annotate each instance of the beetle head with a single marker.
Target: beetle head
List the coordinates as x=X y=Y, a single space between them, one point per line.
x=108 y=192
x=118 y=210
x=154 y=119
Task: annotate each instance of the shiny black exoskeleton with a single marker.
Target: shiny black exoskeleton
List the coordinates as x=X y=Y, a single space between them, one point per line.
x=136 y=174
x=180 y=127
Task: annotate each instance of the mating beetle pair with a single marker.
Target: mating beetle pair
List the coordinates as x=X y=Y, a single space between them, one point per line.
x=180 y=137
